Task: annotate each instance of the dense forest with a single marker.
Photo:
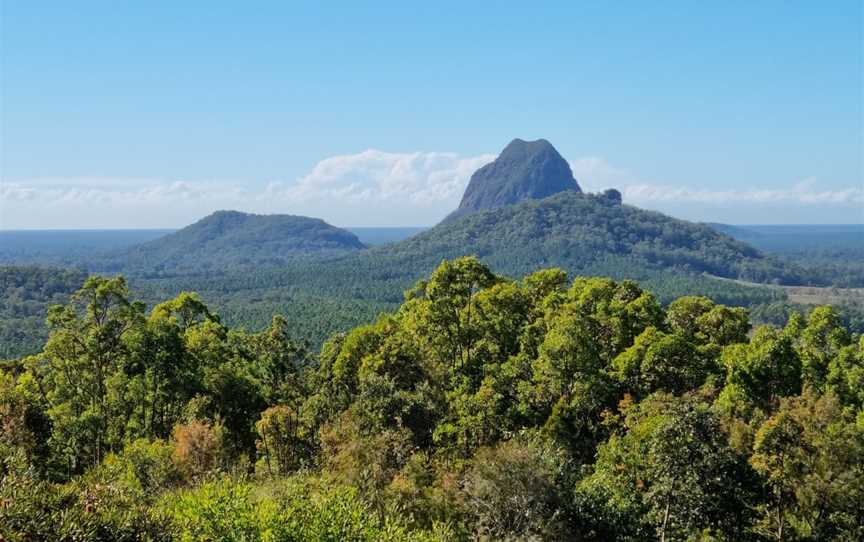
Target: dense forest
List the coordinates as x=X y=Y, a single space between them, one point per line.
x=480 y=407
x=318 y=298
x=26 y=292
x=571 y=230
x=585 y=234
x=323 y=279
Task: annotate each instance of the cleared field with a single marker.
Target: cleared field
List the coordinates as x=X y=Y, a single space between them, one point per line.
x=811 y=295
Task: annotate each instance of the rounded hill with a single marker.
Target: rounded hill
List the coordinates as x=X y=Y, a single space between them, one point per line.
x=230 y=239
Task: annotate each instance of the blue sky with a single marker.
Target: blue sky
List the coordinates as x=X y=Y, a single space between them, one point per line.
x=149 y=114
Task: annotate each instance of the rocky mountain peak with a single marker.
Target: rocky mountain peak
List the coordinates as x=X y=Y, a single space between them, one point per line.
x=523 y=170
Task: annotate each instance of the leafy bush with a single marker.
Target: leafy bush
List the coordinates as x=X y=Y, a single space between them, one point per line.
x=296 y=511
x=32 y=510
x=513 y=490
x=144 y=467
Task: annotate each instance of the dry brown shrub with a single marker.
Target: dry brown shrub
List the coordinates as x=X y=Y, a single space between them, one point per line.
x=197 y=448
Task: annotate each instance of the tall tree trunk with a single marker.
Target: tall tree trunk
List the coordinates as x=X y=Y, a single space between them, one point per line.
x=665 y=520
x=780 y=515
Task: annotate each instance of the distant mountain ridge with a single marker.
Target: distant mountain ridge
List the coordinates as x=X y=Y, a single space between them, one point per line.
x=526 y=210
x=231 y=239
x=522 y=211
x=523 y=170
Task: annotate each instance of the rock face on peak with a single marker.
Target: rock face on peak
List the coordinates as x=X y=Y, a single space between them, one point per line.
x=523 y=170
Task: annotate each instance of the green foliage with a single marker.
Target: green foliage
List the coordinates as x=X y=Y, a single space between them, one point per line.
x=281 y=444
x=831 y=254
x=25 y=294
x=482 y=408
x=82 y=364
x=35 y=510
x=810 y=455
x=658 y=361
x=233 y=239
x=516 y=489
x=143 y=468
x=220 y=510
x=295 y=512
x=761 y=372
x=672 y=467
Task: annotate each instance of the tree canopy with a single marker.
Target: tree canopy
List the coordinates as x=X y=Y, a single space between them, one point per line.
x=482 y=407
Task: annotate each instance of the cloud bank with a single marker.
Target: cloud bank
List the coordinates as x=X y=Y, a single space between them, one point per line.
x=599 y=175
x=377 y=188
x=377 y=176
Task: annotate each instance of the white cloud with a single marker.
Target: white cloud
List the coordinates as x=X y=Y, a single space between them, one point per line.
x=368 y=188
x=374 y=175
x=595 y=174
x=803 y=202
x=802 y=193
x=377 y=188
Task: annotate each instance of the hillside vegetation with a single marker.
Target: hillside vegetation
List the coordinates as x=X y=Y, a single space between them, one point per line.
x=482 y=408
x=326 y=291
x=230 y=239
x=583 y=234
x=829 y=255
x=579 y=231
x=521 y=212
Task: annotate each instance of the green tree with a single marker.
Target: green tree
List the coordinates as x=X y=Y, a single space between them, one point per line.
x=674 y=467
x=449 y=313
x=820 y=342
x=163 y=374
x=282 y=446
x=85 y=349
x=24 y=427
x=279 y=361
x=760 y=373
x=663 y=362
x=810 y=456
x=514 y=491
x=682 y=315
x=846 y=376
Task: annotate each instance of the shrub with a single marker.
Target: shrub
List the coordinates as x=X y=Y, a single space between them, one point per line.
x=143 y=467
x=197 y=448
x=34 y=510
x=280 y=445
x=512 y=489
x=220 y=510
x=299 y=510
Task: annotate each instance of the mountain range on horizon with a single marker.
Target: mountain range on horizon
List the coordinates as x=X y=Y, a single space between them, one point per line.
x=522 y=211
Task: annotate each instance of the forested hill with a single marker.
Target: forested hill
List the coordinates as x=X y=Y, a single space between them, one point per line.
x=231 y=239
x=585 y=233
x=525 y=209
x=830 y=255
